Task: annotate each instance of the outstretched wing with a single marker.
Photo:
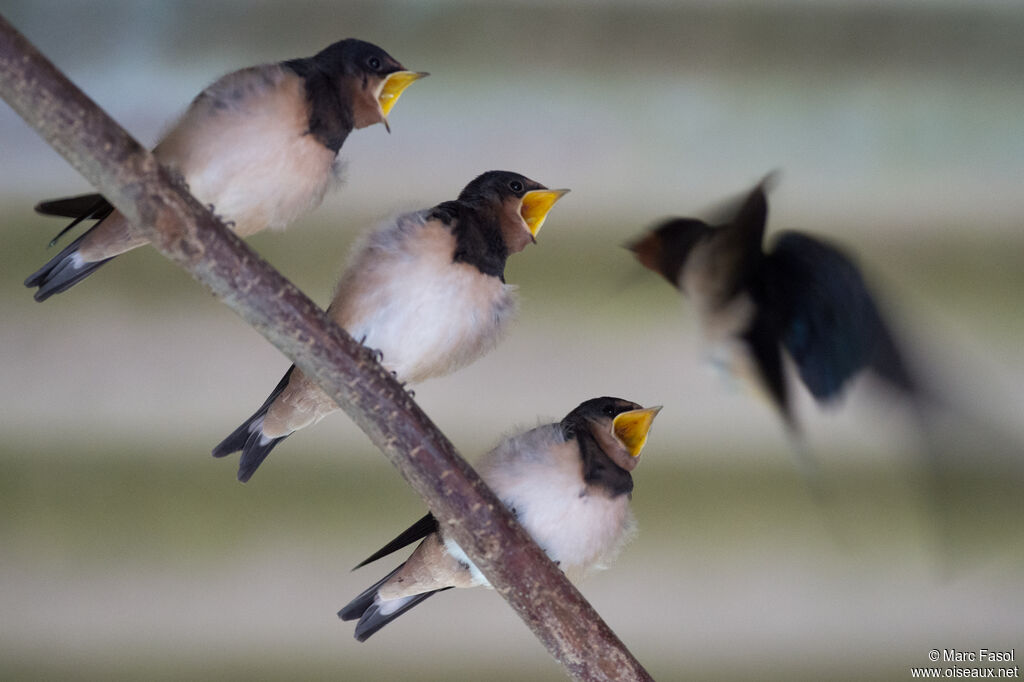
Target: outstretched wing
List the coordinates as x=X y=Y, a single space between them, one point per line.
x=830 y=323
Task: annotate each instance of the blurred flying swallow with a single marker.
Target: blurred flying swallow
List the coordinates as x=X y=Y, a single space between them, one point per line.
x=807 y=299
x=568 y=484
x=426 y=290
x=259 y=146
x=804 y=296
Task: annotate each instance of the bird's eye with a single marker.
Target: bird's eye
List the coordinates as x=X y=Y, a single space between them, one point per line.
x=373 y=63
x=609 y=411
x=515 y=186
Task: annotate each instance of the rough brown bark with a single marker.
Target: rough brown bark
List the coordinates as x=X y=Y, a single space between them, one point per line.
x=186 y=233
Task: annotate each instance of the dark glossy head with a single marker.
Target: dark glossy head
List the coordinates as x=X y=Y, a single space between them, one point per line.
x=665 y=248
x=352 y=57
x=600 y=409
x=520 y=204
x=619 y=427
x=498 y=186
x=370 y=78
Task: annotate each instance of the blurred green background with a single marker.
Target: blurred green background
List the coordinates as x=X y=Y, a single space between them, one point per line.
x=129 y=553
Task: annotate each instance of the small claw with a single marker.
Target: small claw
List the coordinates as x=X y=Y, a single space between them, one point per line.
x=230 y=224
x=375 y=353
x=179 y=180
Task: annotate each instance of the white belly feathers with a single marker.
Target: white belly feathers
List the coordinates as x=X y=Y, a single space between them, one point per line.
x=243 y=147
x=581 y=530
x=405 y=297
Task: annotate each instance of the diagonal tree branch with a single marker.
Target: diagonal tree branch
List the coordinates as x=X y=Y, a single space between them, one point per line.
x=186 y=233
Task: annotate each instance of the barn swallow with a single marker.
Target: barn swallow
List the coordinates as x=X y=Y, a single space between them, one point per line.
x=567 y=483
x=804 y=297
x=426 y=290
x=259 y=146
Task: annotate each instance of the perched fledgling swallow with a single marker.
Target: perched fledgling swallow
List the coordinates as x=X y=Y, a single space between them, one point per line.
x=567 y=483
x=260 y=146
x=804 y=296
x=427 y=290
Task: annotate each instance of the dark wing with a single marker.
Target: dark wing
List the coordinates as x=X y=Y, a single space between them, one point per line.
x=739 y=242
x=417 y=531
x=82 y=207
x=763 y=342
x=63 y=271
x=830 y=324
x=249 y=437
x=368 y=611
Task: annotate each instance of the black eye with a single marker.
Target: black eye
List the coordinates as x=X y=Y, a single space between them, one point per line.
x=609 y=411
x=373 y=63
x=515 y=186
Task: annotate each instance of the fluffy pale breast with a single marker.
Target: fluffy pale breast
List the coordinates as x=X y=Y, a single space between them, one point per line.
x=540 y=476
x=243 y=147
x=428 y=315
x=706 y=281
x=707 y=275
x=725 y=350
x=403 y=296
x=721 y=324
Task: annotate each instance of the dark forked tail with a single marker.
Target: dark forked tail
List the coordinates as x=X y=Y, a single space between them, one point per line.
x=68 y=268
x=62 y=271
x=249 y=436
x=372 y=614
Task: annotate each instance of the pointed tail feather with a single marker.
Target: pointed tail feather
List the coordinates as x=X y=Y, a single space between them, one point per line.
x=374 y=618
x=62 y=271
x=358 y=606
x=249 y=436
x=255 y=451
x=373 y=614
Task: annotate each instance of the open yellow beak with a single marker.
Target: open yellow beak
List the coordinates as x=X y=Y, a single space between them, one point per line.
x=631 y=428
x=394 y=85
x=535 y=207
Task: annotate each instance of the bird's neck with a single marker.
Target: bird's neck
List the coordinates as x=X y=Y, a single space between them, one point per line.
x=331 y=116
x=477 y=234
x=599 y=470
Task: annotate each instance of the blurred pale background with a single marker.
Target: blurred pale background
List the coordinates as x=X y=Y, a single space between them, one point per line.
x=129 y=553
